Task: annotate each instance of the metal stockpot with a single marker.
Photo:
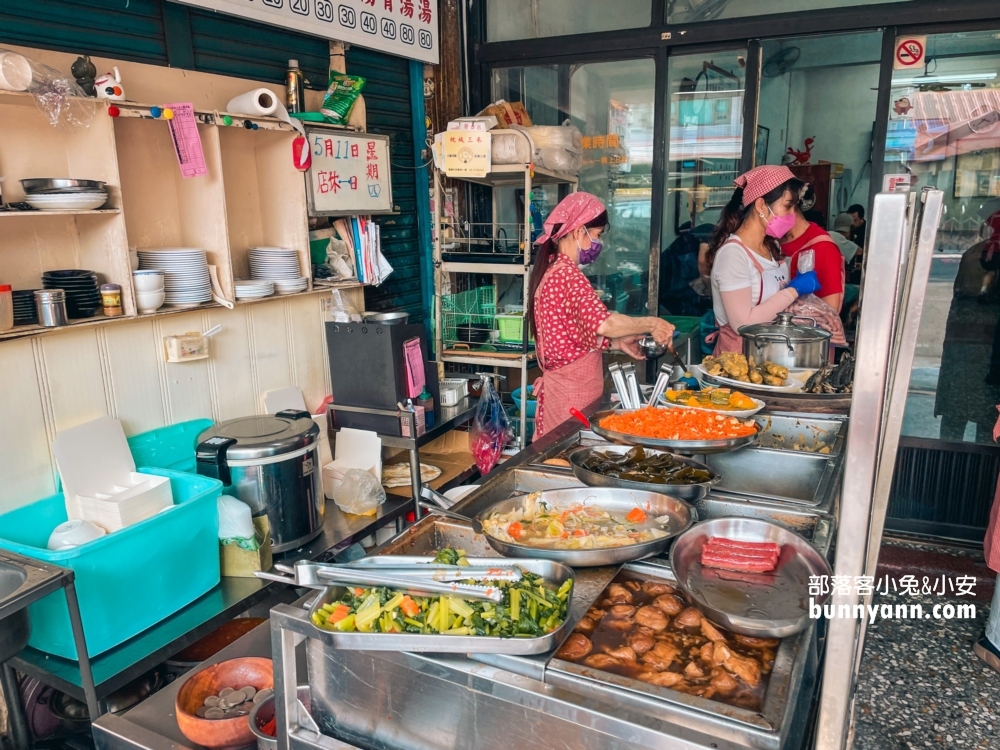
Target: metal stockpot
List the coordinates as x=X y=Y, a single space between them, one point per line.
x=786 y=344
x=272 y=465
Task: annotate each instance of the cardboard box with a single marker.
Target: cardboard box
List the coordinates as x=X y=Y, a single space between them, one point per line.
x=236 y=562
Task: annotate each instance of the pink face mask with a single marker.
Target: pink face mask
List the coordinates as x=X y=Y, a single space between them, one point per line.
x=779 y=226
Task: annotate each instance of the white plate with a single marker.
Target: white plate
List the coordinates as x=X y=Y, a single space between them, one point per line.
x=740 y=414
x=67 y=203
x=796 y=379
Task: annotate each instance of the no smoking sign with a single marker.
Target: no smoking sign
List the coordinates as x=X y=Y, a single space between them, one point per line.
x=909 y=52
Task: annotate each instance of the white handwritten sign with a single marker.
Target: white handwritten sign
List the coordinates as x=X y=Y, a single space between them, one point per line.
x=407 y=28
x=350 y=173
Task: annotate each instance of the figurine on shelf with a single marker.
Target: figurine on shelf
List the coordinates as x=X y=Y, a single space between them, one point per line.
x=109 y=86
x=84 y=71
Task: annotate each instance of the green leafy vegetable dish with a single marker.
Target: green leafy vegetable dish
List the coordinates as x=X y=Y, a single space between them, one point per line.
x=530 y=608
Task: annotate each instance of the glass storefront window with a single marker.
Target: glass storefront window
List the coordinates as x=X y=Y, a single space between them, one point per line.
x=534 y=19
x=944 y=132
x=612 y=105
x=705 y=95
x=690 y=11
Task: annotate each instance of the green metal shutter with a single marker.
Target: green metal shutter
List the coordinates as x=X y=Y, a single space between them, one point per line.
x=231 y=46
x=388 y=100
x=131 y=30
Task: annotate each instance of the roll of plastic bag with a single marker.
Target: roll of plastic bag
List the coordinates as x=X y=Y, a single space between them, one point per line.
x=262 y=103
x=509 y=148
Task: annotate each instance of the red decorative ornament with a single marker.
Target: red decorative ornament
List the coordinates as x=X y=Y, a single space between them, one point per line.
x=301 y=154
x=114 y=111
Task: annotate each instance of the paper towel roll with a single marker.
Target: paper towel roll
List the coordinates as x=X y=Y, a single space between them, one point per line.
x=262 y=103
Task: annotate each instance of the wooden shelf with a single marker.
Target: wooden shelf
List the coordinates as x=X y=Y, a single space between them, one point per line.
x=94 y=212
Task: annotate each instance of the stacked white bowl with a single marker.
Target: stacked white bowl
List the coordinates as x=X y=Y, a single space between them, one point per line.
x=149 y=291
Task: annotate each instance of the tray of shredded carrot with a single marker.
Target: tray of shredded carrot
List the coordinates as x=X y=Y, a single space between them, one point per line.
x=684 y=430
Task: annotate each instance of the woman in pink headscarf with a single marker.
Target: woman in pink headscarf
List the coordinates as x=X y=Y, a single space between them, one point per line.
x=571 y=324
x=749 y=275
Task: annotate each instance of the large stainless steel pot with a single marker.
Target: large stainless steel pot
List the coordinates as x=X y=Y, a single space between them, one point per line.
x=272 y=465
x=787 y=344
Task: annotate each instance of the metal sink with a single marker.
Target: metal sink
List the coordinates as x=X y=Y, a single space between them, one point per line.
x=14 y=627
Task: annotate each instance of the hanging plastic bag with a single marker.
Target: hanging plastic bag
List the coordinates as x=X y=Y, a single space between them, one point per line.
x=341 y=310
x=811 y=306
x=490 y=429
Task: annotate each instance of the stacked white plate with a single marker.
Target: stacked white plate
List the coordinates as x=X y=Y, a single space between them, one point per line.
x=291 y=286
x=274 y=264
x=135 y=499
x=67 y=201
x=249 y=289
x=186 y=281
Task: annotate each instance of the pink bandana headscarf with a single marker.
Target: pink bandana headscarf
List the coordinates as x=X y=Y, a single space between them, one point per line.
x=573 y=211
x=760 y=181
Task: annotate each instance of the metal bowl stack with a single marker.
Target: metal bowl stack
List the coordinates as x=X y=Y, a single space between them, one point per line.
x=64 y=194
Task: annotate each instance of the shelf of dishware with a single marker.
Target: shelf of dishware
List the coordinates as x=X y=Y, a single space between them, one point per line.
x=251 y=197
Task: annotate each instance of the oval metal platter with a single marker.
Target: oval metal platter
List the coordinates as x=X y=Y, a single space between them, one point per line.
x=768 y=605
x=681 y=446
x=678 y=513
x=688 y=492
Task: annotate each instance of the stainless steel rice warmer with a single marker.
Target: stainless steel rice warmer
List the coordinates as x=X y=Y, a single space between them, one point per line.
x=787 y=344
x=272 y=464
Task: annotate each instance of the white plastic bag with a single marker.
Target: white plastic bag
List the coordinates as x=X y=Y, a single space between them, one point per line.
x=342 y=311
x=359 y=493
x=338 y=258
x=236 y=523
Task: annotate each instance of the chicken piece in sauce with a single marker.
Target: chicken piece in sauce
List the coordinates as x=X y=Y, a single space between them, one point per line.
x=618 y=594
x=633 y=585
x=689 y=618
x=586 y=626
x=601 y=661
x=723 y=682
x=662 y=679
x=624 y=653
x=761 y=643
x=669 y=603
x=661 y=656
x=744 y=667
x=641 y=640
x=652 y=618
x=693 y=671
x=711 y=632
x=655 y=588
x=576 y=647
x=621 y=610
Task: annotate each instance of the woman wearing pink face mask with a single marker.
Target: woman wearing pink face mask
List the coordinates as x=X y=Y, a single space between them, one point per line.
x=749 y=275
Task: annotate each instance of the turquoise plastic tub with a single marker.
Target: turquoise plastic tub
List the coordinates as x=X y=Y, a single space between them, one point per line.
x=126 y=581
x=170 y=447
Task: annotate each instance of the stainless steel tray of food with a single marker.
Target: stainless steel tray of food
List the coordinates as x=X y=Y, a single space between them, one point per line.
x=806 y=433
x=773 y=604
x=582 y=460
x=758 y=696
x=721 y=445
x=664 y=517
x=554 y=573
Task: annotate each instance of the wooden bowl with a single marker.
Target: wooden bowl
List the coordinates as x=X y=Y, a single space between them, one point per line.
x=220 y=733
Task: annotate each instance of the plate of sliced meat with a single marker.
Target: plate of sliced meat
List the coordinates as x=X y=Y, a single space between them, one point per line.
x=749 y=575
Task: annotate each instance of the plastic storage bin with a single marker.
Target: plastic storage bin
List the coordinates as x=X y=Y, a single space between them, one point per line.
x=170 y=447
x=511 y=329
x=126 y=581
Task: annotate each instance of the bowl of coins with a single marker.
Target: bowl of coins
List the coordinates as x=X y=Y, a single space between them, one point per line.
x=213 y=706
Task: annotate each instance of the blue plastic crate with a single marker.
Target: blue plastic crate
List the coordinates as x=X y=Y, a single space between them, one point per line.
x=126 y=581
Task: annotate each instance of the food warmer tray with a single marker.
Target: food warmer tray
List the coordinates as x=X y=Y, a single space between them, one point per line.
x=687 y=492
x=751 y=389
x=551 y=571
x=723 y=445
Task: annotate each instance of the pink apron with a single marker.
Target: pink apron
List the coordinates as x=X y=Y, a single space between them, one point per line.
x=991 y=543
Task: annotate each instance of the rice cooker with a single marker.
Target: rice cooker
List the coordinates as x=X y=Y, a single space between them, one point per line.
x=271 y=463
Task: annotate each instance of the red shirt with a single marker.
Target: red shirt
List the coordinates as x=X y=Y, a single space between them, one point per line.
x=567 y=314
x=829 y=260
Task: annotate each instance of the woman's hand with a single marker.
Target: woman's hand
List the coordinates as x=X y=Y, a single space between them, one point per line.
x=629 y=345
x=661 y=331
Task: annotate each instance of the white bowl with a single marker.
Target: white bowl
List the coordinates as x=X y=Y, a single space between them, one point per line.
x=73 y=534
x=148 y=302
x=148 y=281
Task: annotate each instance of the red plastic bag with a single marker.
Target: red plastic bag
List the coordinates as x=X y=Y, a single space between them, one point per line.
x=490 y=428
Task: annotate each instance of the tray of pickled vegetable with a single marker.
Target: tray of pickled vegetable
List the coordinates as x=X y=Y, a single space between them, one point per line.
x=635 y=467
x=720 y=400
x=530 y=619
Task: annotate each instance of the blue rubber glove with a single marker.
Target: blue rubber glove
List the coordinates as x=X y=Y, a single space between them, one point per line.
x=805 y=283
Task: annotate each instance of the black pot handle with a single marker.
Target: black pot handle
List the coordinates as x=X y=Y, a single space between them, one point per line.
x=293 y=414
x=211 y=454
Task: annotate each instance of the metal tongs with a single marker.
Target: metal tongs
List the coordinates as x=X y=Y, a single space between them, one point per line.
x=632 y=381
x=409 y=578
x=619 y=380
x=662 y=380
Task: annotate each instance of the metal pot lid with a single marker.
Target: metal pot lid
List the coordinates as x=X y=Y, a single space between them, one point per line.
x=783 y=326
x=264 y=436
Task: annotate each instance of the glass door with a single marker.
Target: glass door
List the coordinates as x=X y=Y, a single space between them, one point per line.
x=705 y=101
x=944 y=132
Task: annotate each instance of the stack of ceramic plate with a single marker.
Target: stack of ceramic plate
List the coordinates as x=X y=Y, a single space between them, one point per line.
x=248 y=289
x=291 y=286
x=274 y=263
x=64 y=195
x=25 y=312
x=186 y=281
x=83 y=298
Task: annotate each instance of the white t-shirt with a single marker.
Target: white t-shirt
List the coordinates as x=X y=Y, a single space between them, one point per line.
x=733 y=269
x=847 y=248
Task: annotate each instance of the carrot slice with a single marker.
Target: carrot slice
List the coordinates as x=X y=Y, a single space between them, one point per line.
x=339 y=613
x=636 y=515
x=410 y=608
x=515 y=529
